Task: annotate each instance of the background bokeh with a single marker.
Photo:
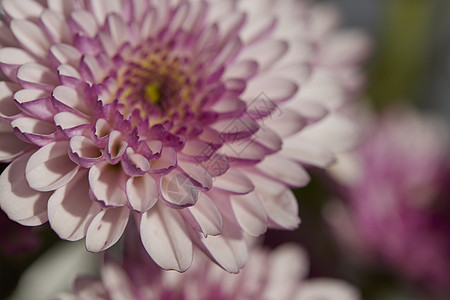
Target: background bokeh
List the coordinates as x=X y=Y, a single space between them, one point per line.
x=409 y=67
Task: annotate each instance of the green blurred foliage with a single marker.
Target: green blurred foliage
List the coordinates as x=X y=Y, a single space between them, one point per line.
x=405 y=54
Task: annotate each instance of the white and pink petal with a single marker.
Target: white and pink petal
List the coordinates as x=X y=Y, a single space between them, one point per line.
x=204 y=216
x=31 y=37
x=71 y=210
x=10 y=146
x=250 y=213
x=165 y=236
x=50 y=167
x=8 y=109
x=106 y=228
x=107 y=183
x=84 y=152
x=142 y=192
x=20 y=202
x=178 y=190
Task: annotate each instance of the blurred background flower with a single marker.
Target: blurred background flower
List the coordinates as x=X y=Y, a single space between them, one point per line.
x=397 y=211
x=409 y=70
x=280 y=274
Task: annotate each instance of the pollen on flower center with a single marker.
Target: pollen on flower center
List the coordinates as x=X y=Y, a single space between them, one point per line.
x=153 y=93
x=160 y=86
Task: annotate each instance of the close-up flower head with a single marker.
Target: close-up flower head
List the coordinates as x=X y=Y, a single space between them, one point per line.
x=187 y=116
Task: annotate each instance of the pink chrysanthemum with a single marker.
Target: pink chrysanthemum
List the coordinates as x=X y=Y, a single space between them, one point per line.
x=397 y=196
x=185 y=114
x=279 y=274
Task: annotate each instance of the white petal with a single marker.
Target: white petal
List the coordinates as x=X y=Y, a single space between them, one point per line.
x=307 y=151
x=137 y=160
x=250 y=213
x=236 y=129
x=116 y=144
x=22 y=9
x=197 y=173
x=268 y=139
x=85 y=21
x=282 y=209
x=102 y=128
x=335 y=132
x=18 y=200
x=177 y=189
x=50 y=167
x=276 y=89
x=66 y=54
x=285 y=123
x=11 y=59
x=10 y=145
x=84 y=147
x=265 y=53
x=245 y=150
x=33 y=75
x=33 y=126
x=197 y=148
x=257 y=28
x=241 y=70
x=106 y=228
x=229 y=248
x=312 y=112
x=234 y=181
x=71 y=210
x=71 y=98
x=206 y=215
x=7 y=106
x=56 y=26
x=139 y=8
x=68 y=120
x=68 y=71
x=31 y=37
x=279 y=202
x=118 y=30
x=92 y=68
x=15 y=56
x=166 y=239
x=168 y=159
x=64 y=7
x=142 y=192
x=28 y=95
x=288 y=171
x=102 y=8
x=106 y=182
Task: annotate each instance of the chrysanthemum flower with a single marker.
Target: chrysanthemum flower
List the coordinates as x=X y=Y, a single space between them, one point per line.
x=279 y=274
x=397 y=196
x=184 y=114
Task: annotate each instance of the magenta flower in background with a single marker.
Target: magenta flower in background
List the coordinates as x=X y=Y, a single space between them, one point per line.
x=279 y=274
x=194 y=117
x=398 y=208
